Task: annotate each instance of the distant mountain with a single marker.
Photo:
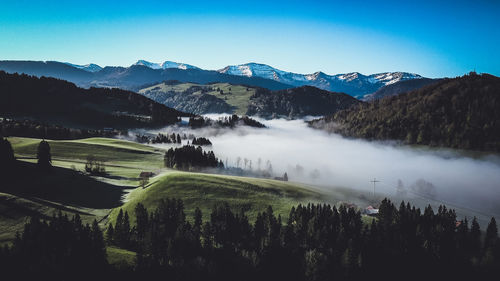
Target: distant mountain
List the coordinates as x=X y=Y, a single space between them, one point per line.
x=355 y=84
x=49 y=69
x=133 y=77
x=399 y=88
x=165 y=65
x=88 y=67
x=458 y=113
x=227 y=98
x=60 y=102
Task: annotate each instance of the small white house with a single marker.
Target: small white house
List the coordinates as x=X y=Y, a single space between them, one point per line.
x=370 y=211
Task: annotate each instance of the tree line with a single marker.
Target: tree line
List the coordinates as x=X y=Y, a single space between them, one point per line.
x=226 y=121
x=59 y=248
x=190 y=157
x=35 y=129
x=315 y=242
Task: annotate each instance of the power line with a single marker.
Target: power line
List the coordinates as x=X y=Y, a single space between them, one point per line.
x=374 y=182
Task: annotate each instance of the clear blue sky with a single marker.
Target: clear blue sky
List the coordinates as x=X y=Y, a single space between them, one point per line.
x=445 y=38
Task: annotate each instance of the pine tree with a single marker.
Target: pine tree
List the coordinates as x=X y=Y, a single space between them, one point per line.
x=126 y=230
x=197 y=222
x=6 y=153
x=141 y=215
x=110 y=234
x=43 y=155
x=99 y=248
x=491 y=238
x=475 y=236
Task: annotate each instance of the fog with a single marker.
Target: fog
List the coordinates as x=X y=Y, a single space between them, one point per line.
x=328 y=161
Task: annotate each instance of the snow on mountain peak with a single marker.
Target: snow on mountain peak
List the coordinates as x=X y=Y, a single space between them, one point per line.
x=165 y=65
x=91 y=67
x=388 y=78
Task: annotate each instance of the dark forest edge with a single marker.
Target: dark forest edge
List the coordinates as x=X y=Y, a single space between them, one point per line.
x=54 y=101
x=317 y=242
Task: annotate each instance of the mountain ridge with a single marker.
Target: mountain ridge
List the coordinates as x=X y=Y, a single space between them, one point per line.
x=353 y=83
x=252 y=74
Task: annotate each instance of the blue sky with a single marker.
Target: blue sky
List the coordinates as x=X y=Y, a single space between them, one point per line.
x=432 y=38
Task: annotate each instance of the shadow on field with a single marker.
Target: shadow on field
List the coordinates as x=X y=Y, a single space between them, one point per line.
x=63 y=186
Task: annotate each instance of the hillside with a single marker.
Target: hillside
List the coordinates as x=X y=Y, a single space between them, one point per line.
x=399 y=88
x=207 y=190
x=458 y=113
x=298 y=102
x=238 y=99
x=60 y=102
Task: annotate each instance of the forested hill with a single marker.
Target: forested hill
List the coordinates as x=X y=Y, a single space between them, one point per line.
x=298 y=102
x=460 y=113
x=61 y=102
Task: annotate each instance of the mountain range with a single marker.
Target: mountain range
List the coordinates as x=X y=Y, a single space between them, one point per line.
x=144 y=73
x=354 y=84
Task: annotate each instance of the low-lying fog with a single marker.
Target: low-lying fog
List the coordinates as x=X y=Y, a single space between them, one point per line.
x=328 y=160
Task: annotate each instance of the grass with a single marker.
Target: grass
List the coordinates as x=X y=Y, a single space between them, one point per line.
x=124 y=160
x=30 y=192
x=236 y=96
x=120 y=257
x=15 y=212
x=206 y=190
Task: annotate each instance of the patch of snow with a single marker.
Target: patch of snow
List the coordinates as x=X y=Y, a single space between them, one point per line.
x=91 y=67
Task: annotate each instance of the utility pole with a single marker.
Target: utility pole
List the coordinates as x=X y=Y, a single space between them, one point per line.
x=374 y=182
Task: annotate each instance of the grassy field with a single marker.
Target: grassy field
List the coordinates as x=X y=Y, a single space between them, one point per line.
x=236 y=96
x=124 y=160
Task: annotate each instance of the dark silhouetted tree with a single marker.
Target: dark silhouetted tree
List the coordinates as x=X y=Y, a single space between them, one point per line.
x=43 y=155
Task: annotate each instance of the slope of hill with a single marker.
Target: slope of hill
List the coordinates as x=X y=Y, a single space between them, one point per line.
x=298 y=102
x=206 y=190
x=399 y=88
x=227 y=98
x=131 y=78
x=60 y=102
x=458 y=113
x=354 y=84
x=201 y=99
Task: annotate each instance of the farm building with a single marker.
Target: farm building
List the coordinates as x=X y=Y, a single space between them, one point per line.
x=370 y=211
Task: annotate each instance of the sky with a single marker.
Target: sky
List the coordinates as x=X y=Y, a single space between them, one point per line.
x=431 y=38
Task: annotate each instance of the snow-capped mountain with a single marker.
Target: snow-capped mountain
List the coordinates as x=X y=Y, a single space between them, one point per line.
x=165 y=65
x=353 y=83
x=91 y=67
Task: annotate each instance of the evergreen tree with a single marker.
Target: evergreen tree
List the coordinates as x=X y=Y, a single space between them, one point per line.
x=43 y=155
x=475 y=238
x=491 y=237
x=110 y=234
x=6 y=152
x=141 y=215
